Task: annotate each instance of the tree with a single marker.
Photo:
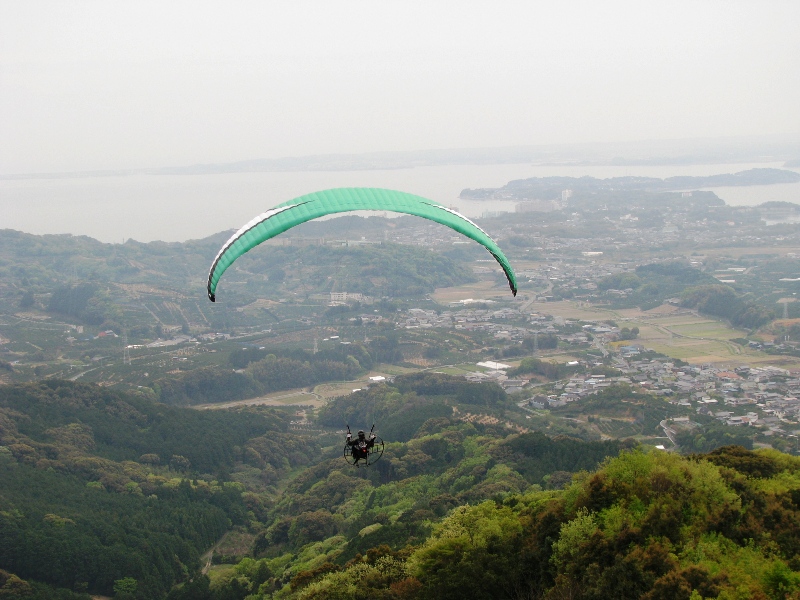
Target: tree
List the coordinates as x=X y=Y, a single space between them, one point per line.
x=179 y=463
x=473 y=549
x=196 y=589
x=312 y=526
x=125 y=588
x=276 y=276
x=12 y=586
x=27 y=300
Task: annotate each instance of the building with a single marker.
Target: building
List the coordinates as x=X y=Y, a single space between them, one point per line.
x=348 y=297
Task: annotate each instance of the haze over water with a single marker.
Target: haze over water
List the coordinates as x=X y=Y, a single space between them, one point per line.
x=182 y=207
x=93 y=86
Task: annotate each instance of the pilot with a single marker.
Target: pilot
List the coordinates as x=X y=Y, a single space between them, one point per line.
x=360 y=446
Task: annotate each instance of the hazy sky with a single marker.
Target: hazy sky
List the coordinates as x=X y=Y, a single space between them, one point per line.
x=96 y=85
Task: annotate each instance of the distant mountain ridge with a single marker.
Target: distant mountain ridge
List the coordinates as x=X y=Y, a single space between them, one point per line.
x=751 y=149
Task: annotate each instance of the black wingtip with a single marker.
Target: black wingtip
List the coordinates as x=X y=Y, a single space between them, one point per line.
x=212 y=297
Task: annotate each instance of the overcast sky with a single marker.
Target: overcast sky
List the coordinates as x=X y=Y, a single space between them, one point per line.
x=97 y=85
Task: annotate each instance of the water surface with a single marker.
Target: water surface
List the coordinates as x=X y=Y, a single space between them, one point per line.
x=182 y=207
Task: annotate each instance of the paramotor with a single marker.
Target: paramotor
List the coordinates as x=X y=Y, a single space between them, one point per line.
x=366 y=456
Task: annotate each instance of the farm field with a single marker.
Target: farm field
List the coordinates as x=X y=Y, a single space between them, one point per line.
x=733 y=252
x=709 y=351
x=706 y=329
x=479 y=290
x=693 y=338
x=386 y=369
x=452 y=370
x=336 y=389
x=571 y=310
x=617 y=428
x=675 y=332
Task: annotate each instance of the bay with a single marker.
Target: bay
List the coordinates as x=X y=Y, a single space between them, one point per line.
x=181 y=207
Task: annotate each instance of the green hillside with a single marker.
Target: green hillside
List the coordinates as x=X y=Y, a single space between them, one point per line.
x=98 y=486
x=110 y=493
x=642 y=526
x=105 y=285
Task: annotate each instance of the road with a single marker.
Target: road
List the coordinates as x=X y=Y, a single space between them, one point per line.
x=208 y=556
x=266 y=400
x=82 y=373
x=670 y=433
x=599 y=345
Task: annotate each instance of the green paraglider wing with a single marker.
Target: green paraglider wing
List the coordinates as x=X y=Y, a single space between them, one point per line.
x=311 y=206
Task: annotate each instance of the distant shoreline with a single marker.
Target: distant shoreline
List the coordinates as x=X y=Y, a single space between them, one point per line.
x=662 y=153
x=173 y=207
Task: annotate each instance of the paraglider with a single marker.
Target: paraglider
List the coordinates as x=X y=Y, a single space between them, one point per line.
x=318 y=204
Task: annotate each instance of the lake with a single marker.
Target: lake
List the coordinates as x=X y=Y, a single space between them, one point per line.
x=182 y=207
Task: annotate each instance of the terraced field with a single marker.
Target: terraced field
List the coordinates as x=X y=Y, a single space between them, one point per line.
x=616 y=428
x=675 y=332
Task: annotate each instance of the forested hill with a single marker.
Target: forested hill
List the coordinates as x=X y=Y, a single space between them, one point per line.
x=43 y=263
x=460 y=511
x=97 y=486
x=100 y=487
x=643 y=526
x=109 y=493
x=106 y=285
x=651 y=285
